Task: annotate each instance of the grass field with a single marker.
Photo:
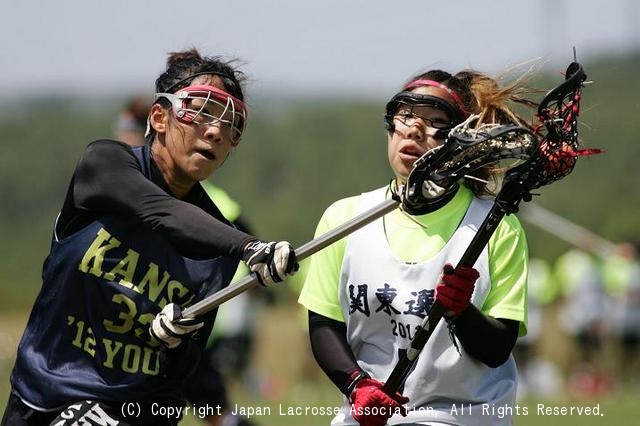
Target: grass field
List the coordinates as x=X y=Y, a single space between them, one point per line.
x=286 y=377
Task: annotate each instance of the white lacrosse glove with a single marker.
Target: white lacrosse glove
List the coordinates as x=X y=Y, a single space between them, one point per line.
x=271 y=261
x=169 y=328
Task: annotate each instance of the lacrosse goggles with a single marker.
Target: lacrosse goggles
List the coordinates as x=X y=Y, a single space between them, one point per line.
x=209 y=106
x=406 y=106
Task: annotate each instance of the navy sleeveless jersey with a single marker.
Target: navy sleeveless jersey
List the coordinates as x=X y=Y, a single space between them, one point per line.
x=87 y=336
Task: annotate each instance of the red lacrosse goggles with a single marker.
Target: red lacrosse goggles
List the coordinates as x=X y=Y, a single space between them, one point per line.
x=207 y=106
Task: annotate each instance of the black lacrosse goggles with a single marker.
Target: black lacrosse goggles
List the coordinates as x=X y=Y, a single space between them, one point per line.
x=209 y=106
x=405 y=105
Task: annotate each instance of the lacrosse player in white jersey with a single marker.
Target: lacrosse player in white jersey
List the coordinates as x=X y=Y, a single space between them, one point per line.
x=367 y=294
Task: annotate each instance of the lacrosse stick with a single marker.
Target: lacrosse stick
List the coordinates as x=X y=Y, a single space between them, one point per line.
x=302 y=252
x=456 y=158
x=554 y=158
x=435 y=172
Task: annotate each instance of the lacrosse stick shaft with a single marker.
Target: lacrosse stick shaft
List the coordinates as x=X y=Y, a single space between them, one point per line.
x=504 y=203
x=209 y=303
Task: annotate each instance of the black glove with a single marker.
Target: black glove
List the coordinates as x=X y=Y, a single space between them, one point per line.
x=271 y=261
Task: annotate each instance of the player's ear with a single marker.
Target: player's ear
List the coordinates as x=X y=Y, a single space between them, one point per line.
x=158 y=118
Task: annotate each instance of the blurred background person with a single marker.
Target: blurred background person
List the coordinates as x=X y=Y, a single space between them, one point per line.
x=582 y=317
x=538 y=376
x=131 y=124
x=622 y=281
x=227 y=357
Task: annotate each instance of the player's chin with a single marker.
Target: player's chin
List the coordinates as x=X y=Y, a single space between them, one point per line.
x=402 y=169
x=203 y=171
x=404 y=164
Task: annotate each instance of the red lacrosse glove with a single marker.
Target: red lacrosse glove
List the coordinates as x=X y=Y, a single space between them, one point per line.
x=455 y=288
x=371 y=406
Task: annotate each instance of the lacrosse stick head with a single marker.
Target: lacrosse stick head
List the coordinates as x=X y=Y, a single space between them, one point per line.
x=467 y=149
x=558 y=148
x=208 y=105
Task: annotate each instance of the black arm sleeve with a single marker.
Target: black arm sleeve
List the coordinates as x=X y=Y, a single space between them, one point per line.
x=108 y=180
x=331 y=350
x=489 y=340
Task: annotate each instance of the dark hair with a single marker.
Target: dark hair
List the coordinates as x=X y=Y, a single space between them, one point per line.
x=183 y=67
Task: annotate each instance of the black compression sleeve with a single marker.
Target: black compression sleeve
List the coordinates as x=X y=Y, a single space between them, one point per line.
x=489 y=340
x=331 y=350
x=108 y=180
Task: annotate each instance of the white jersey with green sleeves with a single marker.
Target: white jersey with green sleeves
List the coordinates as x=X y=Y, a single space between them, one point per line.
x=380 y=281
x=411 y=242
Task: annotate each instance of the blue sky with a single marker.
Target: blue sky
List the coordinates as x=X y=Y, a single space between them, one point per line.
x=321 y=48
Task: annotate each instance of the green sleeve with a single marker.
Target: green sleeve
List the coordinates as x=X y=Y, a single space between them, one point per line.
x=320 y=290
x=508 y=258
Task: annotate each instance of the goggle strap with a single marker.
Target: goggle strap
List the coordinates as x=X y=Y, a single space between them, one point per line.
x=172 y=88
x=415 y=99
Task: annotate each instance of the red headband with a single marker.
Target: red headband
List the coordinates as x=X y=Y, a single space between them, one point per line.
x=454 y=95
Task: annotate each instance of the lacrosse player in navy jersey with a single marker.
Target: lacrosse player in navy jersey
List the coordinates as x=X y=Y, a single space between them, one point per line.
x=138 y=239
x=367 y=294
x=205 y=386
